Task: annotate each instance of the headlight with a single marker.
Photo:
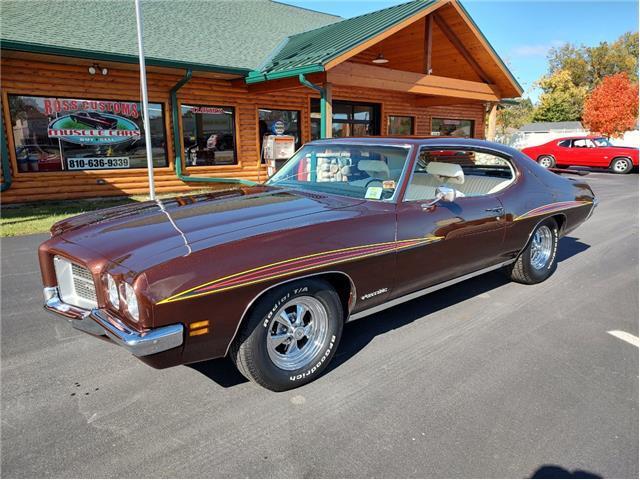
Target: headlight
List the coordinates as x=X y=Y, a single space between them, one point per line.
x=131 y=301
x=112 y=288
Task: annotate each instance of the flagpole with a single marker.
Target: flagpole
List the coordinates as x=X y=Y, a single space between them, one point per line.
x=145 y=103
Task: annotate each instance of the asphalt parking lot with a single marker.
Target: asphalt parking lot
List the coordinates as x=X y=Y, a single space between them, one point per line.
x=483 y=379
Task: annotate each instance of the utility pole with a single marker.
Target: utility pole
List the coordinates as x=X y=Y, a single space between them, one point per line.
x=145 y=103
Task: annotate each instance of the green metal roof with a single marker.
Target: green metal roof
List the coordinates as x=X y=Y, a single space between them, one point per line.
x=222 y=35
x=312 y=49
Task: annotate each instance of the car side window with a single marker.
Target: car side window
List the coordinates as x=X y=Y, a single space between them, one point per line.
x=471 y=173
x=583 y=143
x=564 y=143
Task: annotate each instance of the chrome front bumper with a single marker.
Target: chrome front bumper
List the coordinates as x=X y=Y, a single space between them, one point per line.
x=99 y=322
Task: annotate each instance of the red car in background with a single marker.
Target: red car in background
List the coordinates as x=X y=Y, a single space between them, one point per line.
x=584 y=152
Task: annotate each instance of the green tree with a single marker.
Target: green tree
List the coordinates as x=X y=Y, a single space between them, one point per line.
x=514 y=116
x=561 y=99
x=589 y=65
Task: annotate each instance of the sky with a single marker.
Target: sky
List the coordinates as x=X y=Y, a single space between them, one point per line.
x=522 y=31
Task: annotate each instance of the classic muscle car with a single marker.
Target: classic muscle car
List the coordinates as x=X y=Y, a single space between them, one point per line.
x=268 y=274
x=584 y=152
x=95 y=120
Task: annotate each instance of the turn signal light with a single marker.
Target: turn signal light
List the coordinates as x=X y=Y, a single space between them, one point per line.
x=199 y=328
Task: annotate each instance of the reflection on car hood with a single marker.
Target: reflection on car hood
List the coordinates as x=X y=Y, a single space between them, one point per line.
x=139 y=235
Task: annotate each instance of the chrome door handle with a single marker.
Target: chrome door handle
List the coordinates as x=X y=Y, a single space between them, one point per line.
x=495 y=210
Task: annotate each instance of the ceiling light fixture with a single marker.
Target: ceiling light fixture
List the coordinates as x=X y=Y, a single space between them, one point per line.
x=380 y=59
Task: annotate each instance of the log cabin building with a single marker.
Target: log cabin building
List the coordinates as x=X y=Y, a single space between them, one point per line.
x=220 y=74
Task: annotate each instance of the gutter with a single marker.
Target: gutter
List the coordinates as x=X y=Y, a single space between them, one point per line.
x=177 y=146
x=256 y=77
x=6 y=167
x=323 y=103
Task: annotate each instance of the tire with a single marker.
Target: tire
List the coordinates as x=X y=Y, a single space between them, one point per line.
x=546 y=161
x=537 y=261
x=279 y=355
x=621 y=165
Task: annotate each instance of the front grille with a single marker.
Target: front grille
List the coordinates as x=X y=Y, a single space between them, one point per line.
x=75 y=284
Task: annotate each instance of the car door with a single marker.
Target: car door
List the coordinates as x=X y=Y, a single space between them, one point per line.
x=467 y=234
x=584 y=153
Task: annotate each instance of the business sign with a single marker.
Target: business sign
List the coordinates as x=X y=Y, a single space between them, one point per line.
x=278 y=127
x=93 y=128
x=97 y=163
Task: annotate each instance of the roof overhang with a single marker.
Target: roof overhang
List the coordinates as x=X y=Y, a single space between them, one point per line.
x=339 y=57
x=117 y=57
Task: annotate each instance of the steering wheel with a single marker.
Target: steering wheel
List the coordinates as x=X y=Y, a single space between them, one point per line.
x=373 y=180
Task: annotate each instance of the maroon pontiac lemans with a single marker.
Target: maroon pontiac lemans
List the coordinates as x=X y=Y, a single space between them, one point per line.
x=268 y=274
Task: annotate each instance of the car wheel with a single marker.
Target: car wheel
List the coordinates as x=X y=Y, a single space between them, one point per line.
x=547 y=161
x=290 y=335
x=538 y=260
x=621 y=165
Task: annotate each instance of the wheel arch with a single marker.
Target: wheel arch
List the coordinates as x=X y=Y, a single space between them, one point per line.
x=559 y=218
x=342 y=283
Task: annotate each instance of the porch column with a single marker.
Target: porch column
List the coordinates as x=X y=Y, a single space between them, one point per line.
x=491 y=124
x=326 y=111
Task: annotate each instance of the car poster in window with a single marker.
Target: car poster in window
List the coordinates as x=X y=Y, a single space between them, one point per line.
x=58 y=134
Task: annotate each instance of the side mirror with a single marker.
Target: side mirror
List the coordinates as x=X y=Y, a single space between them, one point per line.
x=446 y=194
x=443 y=193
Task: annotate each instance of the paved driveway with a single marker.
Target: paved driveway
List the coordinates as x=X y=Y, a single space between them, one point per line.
x=483 y=379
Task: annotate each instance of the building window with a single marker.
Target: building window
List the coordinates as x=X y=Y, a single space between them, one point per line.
x=54 y=134
x=282 y=122
x=349 y=119
x=450 y=127
x=399 y=125
x=209 y=135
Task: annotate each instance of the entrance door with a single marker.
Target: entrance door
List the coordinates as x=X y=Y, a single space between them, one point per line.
x=350 y=119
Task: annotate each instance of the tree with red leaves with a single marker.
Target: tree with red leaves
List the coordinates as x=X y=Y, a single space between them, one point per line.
x=612 y=107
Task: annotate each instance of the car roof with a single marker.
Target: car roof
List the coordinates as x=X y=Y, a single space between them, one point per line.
x=400 y=140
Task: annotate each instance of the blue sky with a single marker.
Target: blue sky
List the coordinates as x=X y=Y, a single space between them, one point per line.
x=522 y=31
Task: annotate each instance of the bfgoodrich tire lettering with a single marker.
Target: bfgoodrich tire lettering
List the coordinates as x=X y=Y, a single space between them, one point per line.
x=290 y=335
x=537 y=261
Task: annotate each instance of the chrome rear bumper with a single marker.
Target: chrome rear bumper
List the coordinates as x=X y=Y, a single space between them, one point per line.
x=99 y=322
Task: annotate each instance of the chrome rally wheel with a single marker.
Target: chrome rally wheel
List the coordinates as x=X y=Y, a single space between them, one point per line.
x=297 y=333
x=621 y=165
x=546 y=161
x=290 y=334
x=537 y=261
x=541 y=247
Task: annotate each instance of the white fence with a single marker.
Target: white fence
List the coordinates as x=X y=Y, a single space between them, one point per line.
x=521 y=140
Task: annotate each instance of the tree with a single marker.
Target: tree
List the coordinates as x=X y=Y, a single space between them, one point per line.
x=612 y=107
x=589 y=65
x=514 y=116
x=561 y=99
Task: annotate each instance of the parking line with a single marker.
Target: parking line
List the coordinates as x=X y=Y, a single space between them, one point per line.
x=627 y=337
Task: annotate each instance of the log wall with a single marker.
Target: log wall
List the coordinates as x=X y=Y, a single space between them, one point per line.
x=48 y=78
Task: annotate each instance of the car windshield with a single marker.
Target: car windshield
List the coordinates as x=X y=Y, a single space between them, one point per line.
x=601 y=142
x=371 y=172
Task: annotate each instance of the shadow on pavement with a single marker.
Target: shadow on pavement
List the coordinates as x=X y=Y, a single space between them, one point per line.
x=556 y=471
x=223 y=372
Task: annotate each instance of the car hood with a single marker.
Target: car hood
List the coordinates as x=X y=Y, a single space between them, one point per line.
x=144 y=234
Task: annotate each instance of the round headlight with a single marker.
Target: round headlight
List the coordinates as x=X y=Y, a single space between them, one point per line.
x=132 y=302
x=112 y=288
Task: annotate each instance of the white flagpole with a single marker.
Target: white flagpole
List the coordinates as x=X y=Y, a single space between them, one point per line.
x=145 y=103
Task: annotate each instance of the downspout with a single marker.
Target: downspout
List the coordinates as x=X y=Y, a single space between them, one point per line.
x=4 y=152
x=177 y=147
x=323 y=103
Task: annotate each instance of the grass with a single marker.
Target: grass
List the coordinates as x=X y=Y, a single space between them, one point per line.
x=29 y=218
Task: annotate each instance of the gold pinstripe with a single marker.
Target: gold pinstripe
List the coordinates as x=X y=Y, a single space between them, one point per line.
x=392 y=246
x=560 y=208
